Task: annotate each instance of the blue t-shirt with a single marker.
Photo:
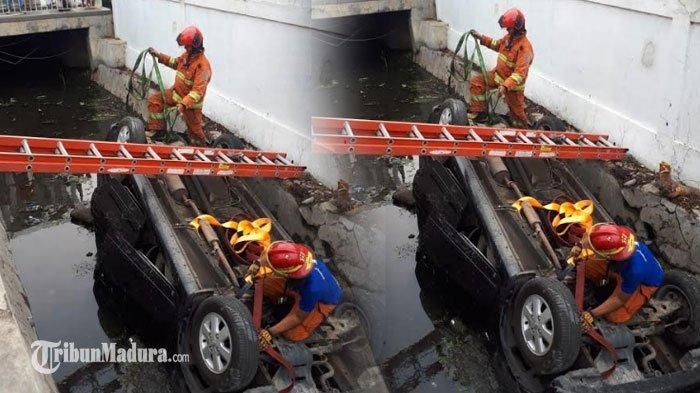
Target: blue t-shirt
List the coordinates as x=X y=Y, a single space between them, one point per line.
x=318 y=287
x=642 y=268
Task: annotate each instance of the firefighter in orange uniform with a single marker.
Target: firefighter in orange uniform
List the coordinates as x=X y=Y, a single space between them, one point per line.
x=193 y=74
x=515 y=56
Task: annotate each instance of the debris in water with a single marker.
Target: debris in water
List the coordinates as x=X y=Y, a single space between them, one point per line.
x=411 y=236
x=89 y=254
x=31 y=221
x=40 y=98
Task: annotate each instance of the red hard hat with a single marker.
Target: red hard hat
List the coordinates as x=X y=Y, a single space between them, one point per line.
x=191 y=36
x=512 y=19
x=611 y=241
x=289 y=259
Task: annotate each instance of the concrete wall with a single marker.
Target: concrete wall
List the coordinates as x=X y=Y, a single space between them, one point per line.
x=16 y=330
x=265 y=64
x=629 y=68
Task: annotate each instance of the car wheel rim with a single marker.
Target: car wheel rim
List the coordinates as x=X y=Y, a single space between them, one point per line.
x=215 y=343
x=446 y=116
x=537 y=325
x=124 y=134
x=685 y=314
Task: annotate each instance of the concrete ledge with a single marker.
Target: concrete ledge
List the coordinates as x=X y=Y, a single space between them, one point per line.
x=53 y=14
x=332 y=9
x=16 y=331
x=54 y=23
x=432 y=34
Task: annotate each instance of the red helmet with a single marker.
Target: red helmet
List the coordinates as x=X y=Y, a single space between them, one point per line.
x=191 y=36
x=289 y=259
x=512 y=19
x=611 y=241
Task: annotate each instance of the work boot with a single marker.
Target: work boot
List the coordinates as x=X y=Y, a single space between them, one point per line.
x=477 y=118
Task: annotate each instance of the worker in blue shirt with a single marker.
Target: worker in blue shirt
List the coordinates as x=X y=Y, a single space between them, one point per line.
x=630 y=262
x=308 y=281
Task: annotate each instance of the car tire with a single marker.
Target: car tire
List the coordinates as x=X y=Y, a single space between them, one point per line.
x=228 y=141
x=127 y=130
x=451 y=111
x=213 y=315
x=686 y=287
x=549 y=123
x=549 y=341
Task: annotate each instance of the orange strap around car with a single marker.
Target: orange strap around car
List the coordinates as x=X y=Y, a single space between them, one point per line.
x=273 y=353
x=568 y=213
x=597 y=337
x=246 y=231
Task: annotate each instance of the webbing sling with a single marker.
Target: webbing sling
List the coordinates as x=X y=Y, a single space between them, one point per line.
x=597 y=337
x=272 y=352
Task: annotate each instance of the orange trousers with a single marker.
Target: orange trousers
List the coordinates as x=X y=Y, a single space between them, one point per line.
x=274 y=288
x=514 y=99
x=156 y=120
x=596 y=270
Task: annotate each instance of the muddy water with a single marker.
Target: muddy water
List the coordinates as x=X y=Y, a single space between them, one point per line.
x=429 y=340
x=54 y=257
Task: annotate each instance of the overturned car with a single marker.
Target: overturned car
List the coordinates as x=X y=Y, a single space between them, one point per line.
x=513 y=264
x=193 y=281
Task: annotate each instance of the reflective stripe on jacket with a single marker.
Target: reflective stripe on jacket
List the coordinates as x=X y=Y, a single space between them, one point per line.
x=513 y=63
x=191 y=78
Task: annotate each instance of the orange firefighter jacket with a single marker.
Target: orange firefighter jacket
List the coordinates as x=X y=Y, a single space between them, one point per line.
x=191 y=78
x=513 y=61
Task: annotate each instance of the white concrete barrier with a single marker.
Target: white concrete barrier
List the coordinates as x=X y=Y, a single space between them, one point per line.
x=629 y=68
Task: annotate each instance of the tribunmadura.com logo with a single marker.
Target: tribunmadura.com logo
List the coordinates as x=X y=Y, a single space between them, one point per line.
x=47 y=356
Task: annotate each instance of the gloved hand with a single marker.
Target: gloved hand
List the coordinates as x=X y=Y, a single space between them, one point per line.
x=152 y=51
x=502 y=89
x=587 y=321
x=181 y=108
x=264 y=339
x=476 y=34
x=575 y=251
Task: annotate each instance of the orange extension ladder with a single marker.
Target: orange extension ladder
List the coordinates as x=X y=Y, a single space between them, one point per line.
x=49 y=155
x=393 y=138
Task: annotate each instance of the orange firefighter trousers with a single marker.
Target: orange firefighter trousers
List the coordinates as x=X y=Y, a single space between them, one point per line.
x=274 y=288
x=192 y=117
x=514 y=99
x=596 y=270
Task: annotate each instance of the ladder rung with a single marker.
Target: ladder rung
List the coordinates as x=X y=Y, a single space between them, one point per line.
x=587 y=142
x=224 y=158
x=267 y=160
x=524 y=138
x=416 y=133
x=247 y=160
x=92 y=149
x=446 y=134
x=60 y=149
x=201 y=156
x=475 y=136
x=178 y=155
x=25 y=147
x=283 y=160
x=606 y=142
x=124 y=152
x=347 y=129
x=570 y=142
x=546 y=139
x=500 y=137
x=152 y=153
x=382 y=131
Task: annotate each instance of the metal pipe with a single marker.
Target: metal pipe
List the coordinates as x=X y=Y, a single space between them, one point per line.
x=501 y=173
x=213 y=240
